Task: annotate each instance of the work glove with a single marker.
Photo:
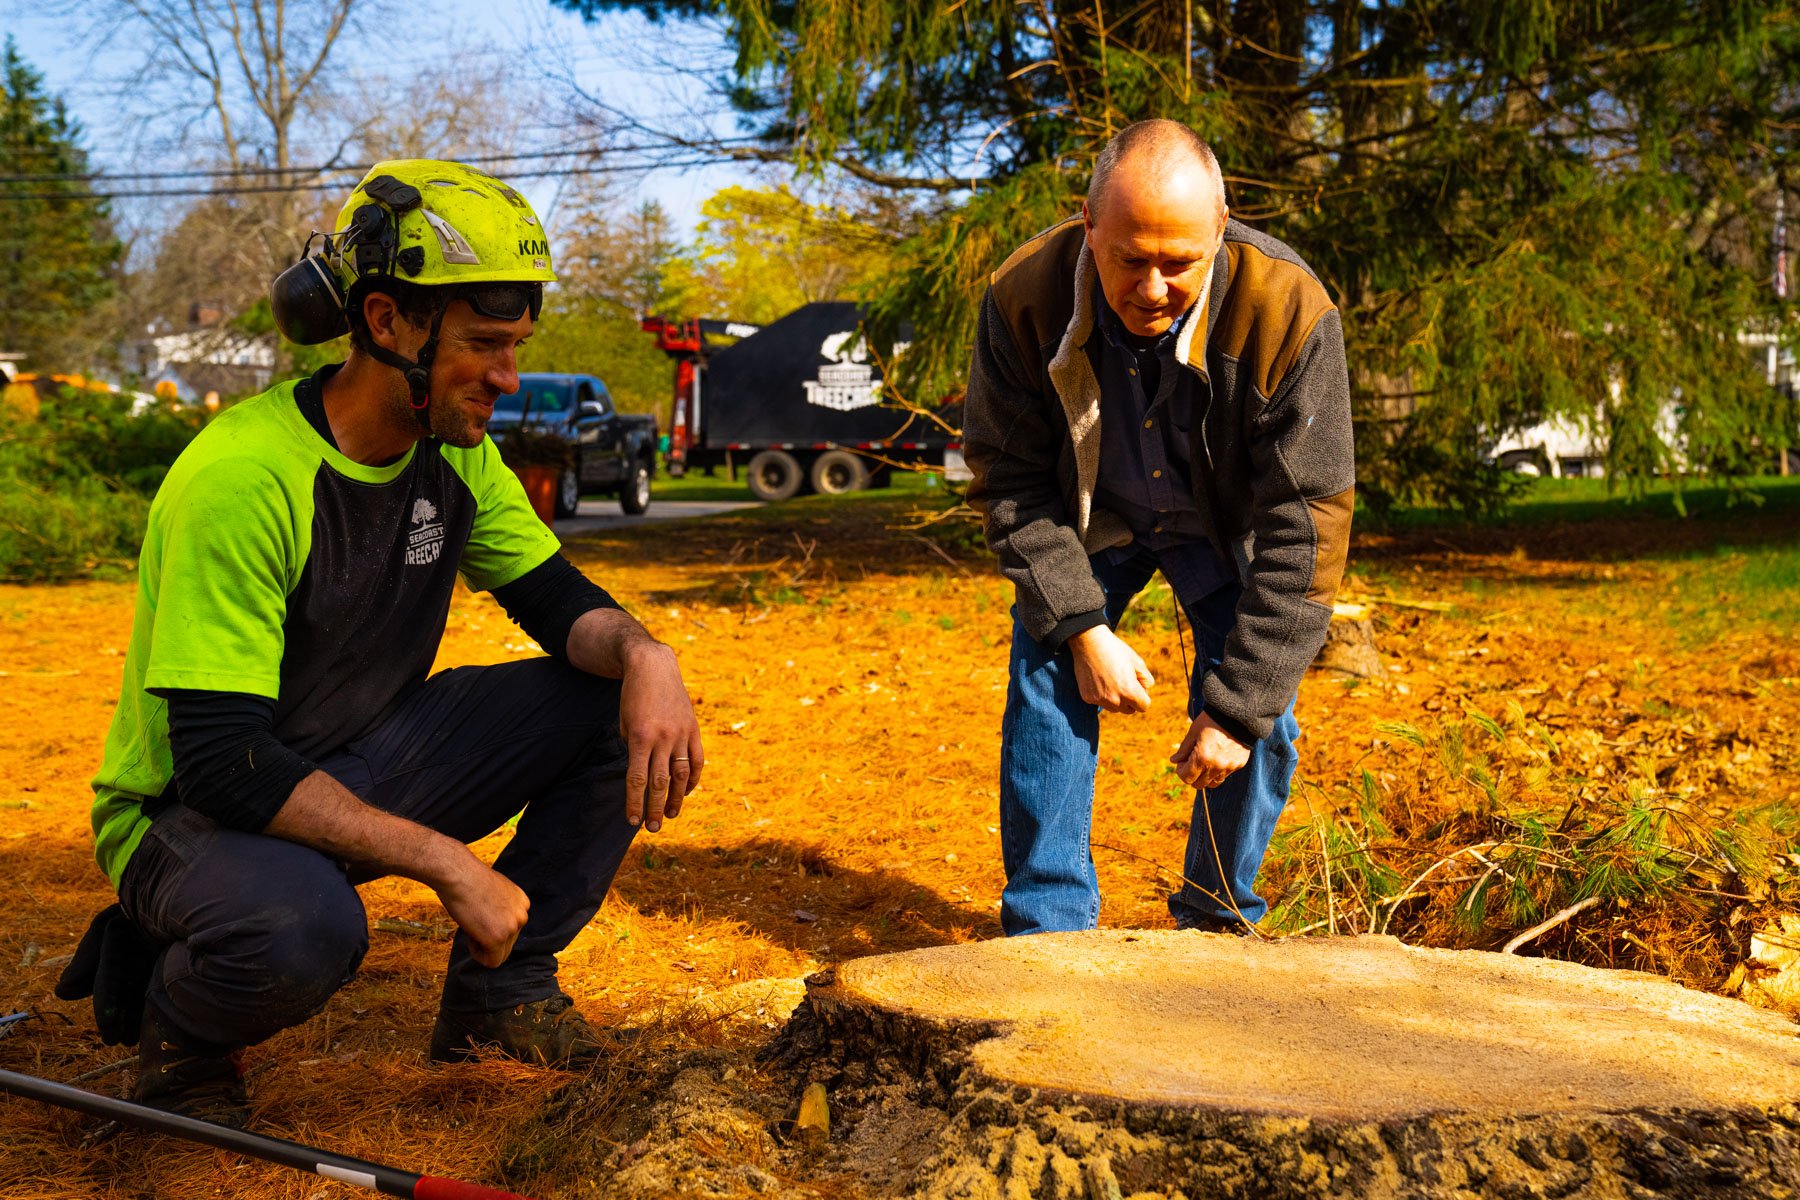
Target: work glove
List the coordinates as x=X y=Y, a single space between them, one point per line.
x=113 y=965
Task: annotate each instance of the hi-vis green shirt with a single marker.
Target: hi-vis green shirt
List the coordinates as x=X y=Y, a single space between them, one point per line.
x=274 y=565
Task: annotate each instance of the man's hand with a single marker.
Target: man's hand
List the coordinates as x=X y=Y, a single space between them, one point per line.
x=662 y=735
x=1109 y=672
x=1208 y=755
x=487 y=906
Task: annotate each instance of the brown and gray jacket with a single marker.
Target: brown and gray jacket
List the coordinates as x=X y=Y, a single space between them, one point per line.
x=1271 y=450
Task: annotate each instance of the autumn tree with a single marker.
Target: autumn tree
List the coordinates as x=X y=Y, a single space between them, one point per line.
x=1525 y=208
x=610 y=259
x=59 y=259
x=760 y=253
x=249 y=73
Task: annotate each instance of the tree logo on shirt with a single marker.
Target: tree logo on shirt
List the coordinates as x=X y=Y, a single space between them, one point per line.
x=426 y=542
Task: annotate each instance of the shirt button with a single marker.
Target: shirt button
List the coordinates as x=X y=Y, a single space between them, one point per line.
x=1156 y=474
x=1158 y=529
x=1131 y=370
x=1149 y=424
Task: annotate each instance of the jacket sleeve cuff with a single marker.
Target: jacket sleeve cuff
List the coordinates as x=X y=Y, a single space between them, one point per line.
x=1068 y=627
x=1227 y=708
x=1237 y=729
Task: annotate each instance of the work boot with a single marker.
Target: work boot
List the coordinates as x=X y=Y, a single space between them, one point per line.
x=178 y=1077
x=549 y=1033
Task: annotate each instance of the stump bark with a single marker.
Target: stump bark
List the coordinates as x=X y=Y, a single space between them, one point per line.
x=1110 y=1063
x=1350 y=643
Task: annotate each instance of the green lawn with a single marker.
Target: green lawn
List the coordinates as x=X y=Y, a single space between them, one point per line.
x=1567 y=500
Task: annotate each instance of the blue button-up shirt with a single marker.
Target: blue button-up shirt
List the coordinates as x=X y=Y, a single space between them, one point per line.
x=1146 y=412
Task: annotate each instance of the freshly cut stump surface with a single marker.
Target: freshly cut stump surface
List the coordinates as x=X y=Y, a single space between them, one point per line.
x=1359 y=1066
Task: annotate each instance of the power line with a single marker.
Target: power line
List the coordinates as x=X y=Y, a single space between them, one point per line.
x=322 y=184
x=321 y=169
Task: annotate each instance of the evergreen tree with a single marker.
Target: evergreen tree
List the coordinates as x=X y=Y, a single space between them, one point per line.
x=59 y=258
x=1525 y=208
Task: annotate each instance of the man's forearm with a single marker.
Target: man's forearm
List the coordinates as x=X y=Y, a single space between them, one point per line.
x=328 y=817
x=604 y=640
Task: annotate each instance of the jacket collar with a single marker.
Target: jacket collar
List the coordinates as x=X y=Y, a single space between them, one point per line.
x=1072 y=378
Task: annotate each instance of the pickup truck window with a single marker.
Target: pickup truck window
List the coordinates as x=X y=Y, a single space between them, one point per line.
x=545 y=398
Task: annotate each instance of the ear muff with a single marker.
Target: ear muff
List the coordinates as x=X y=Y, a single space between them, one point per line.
x=308 y=304
x=307 y=299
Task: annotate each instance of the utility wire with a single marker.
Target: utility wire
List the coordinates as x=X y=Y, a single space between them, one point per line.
x=320 y=169
x=323 y=184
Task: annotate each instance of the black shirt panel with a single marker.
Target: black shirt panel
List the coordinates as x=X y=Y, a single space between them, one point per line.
x=229 y=765
x=309 y=397
x=363 y=625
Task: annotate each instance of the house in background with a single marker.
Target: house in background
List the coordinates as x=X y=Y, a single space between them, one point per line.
x=207 y=357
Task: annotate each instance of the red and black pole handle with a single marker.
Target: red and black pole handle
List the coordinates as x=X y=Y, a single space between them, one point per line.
x=386 y=1180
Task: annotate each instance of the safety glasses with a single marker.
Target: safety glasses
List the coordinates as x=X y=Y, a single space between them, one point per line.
x=504 y=301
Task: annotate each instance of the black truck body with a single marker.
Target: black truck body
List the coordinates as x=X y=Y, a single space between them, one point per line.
x=796 y=403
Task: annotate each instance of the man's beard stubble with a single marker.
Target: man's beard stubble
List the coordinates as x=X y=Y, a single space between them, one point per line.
x=447 y=423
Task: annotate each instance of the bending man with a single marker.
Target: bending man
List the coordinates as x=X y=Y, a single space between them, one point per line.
x=1156 y=387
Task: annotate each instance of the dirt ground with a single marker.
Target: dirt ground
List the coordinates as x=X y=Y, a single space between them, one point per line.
x=850 y=678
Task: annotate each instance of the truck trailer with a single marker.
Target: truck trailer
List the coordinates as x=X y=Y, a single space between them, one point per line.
x=796 y=404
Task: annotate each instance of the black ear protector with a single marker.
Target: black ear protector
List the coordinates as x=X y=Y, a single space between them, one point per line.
x=310 y=305
x=307 y=302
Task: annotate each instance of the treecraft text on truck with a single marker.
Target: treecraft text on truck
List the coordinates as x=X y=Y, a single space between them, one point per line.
x=796 y=404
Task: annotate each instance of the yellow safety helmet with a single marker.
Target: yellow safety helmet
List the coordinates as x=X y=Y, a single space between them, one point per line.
x=424 y=222
x=447 y=223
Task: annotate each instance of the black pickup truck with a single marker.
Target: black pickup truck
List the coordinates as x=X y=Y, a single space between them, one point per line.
x=614 y=452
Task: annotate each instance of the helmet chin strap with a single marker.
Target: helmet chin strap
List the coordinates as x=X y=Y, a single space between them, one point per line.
x=417 y=371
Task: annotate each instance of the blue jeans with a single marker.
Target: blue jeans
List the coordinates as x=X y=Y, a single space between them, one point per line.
x=1049 y=748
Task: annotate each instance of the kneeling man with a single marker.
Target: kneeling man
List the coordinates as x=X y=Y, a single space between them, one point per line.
x=279 y=738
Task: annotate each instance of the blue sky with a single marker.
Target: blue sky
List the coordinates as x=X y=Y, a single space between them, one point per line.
x=616 y=59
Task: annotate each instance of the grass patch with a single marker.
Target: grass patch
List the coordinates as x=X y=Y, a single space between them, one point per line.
x=1709 y=593
x=1560 y=501
x=1476 y=829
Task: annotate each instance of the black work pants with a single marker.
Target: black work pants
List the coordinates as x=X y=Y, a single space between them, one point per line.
x=261 y=932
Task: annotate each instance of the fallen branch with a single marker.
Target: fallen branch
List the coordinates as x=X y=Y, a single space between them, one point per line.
x=108 y=1069
x=1545 y=926
x=939 y=551
x=1438 y=606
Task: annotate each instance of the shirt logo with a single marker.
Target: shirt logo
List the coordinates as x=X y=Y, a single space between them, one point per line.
x=426 y=541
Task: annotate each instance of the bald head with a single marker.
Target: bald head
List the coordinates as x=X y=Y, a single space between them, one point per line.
x=1157 y=156
x=1155 y=218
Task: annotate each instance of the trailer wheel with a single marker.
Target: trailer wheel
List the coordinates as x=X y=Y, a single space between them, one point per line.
x=836 y=472
x=775 y=475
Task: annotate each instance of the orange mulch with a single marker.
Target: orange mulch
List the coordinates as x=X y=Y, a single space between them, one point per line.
x=850 y=679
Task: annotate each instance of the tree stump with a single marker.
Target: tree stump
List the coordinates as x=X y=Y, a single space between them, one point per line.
x=1350 y=643
x=1103 y=1064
